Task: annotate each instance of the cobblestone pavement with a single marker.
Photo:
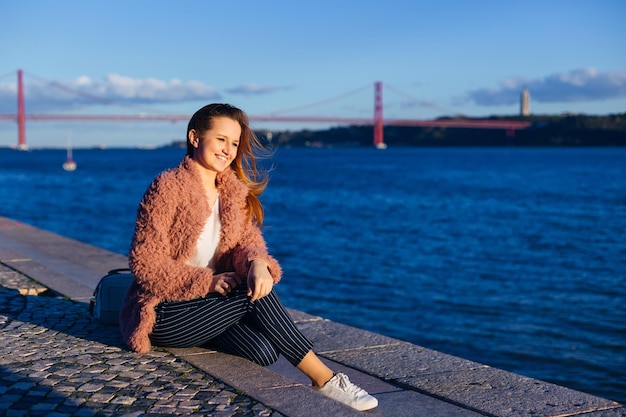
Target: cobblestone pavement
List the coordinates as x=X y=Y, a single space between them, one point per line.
x=56 y=361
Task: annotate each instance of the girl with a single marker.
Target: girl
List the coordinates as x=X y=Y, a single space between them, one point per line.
x=201 y=266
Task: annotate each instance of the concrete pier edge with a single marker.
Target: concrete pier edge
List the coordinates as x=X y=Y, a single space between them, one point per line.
x=408 y=380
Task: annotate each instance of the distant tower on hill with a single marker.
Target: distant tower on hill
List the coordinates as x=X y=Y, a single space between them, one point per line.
x=525 y=103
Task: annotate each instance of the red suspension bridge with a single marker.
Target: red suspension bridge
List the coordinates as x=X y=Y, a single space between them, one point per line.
x=377 y=121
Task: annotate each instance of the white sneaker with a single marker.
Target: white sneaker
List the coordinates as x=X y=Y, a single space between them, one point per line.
x=339 y=388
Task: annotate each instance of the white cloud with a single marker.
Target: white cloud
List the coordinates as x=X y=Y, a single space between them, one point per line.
x=578 y=85
x=112 y=89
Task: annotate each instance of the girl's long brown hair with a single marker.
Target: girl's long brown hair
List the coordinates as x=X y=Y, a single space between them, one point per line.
x=249 y=149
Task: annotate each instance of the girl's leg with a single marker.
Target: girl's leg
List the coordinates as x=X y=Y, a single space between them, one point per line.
x=276 y=325
x=315 y=369
x=256 y=331
x=245 y=339
x=195 y=322
x=279 y=328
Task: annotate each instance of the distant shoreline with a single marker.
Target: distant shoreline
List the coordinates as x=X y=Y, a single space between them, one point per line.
x=568 y=130
x=564 y=130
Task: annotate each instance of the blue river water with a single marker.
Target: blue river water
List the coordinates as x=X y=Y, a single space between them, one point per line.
x=507 y=256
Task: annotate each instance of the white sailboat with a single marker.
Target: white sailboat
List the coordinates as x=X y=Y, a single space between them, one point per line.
x=69 y=164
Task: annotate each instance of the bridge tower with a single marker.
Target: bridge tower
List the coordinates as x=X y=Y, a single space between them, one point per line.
x=21 y=116
x=378 y=116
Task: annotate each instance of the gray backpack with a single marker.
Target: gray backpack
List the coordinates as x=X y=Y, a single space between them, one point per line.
x=108 y=296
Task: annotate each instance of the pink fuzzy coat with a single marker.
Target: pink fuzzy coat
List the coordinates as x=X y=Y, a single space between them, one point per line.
x=170 y=219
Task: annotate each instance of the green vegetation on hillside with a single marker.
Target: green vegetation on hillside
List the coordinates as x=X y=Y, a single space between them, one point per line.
x=546 y=130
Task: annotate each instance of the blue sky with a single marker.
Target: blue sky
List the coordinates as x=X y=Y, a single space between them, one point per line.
x=434 y=58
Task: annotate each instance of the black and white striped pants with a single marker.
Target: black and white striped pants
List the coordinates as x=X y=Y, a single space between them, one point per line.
x=258 y=330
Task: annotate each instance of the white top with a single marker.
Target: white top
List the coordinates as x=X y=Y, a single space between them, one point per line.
x=209 y=239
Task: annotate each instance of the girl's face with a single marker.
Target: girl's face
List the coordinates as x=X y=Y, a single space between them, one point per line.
x=217 y=147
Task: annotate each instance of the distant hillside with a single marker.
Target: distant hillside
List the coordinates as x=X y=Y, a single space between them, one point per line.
x=564 y=130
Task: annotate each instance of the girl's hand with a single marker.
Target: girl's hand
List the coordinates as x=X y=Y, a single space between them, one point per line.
x=260 y=281
x=224 y=283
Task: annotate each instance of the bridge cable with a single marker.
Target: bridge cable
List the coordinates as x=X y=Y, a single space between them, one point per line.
x=320 y=102
x=8 y=74
x=422 y=103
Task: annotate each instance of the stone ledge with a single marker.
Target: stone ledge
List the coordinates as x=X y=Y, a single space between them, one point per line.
x=458 y=381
